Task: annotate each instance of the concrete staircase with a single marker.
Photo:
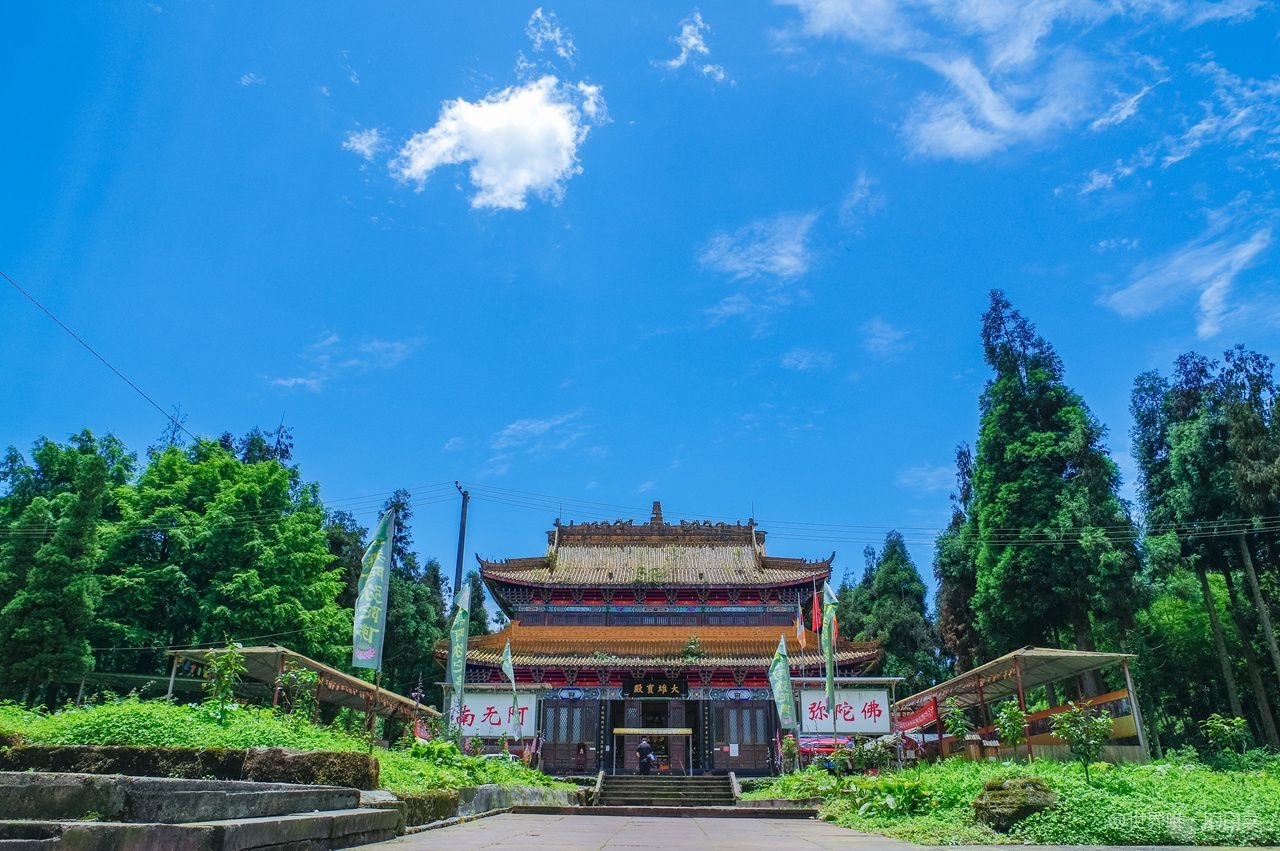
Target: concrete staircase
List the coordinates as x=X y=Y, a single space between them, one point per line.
x=83 y=811
x=653 y=791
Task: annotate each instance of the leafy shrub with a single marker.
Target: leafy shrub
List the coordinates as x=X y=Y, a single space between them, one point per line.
x=1084 y=730
x=131 y=721
x=1157 y=804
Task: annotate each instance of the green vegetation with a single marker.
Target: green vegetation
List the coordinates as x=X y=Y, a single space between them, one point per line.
x=201 y=543
x=1164 y=803
x=159 y=723
x=1085 y=731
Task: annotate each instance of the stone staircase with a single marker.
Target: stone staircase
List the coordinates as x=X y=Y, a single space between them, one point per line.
x=85 y=811
x=653 y=791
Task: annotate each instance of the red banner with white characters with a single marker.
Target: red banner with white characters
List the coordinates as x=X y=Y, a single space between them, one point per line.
x=923 y=716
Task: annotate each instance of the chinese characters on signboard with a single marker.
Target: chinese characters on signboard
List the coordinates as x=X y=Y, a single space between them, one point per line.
x=653 y=687
x=491 y=714
x=863 y=711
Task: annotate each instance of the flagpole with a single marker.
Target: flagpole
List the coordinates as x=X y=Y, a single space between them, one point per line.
x=373 y=727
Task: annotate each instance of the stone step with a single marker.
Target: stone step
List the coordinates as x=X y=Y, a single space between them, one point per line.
x=58 y=797
x=346 y=828
x=175 y=807
x=27 y=836
x=672 y=812
x=658 y=802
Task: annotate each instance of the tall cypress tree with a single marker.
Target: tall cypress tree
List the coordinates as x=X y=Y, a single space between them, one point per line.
x=44 y=629
x=955 y=566
x=897 y=617
x=1056 y=547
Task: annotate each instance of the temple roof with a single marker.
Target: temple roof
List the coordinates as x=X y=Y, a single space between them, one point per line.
x=657 y=647
x=688 y=554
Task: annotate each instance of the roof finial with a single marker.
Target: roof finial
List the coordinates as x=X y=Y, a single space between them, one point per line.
x=656 y=519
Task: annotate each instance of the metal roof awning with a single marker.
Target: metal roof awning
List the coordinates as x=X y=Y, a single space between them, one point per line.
x=998 y=679
x=264 y=664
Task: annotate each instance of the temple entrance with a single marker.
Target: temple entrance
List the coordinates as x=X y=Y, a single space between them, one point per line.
x=663 y=723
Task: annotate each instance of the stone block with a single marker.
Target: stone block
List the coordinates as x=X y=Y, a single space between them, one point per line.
x=1004 y=803
x=279 y=765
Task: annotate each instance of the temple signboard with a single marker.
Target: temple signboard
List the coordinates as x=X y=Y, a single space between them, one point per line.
x=864 y=711
x=654 y=686
x=488 y=714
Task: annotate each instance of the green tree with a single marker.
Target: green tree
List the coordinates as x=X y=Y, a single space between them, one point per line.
x=211 y=546
x=853 y=600
x=346 y=540
x=415 y=610
x=1085 y=731
x=44 y=628
x=897 y=617
x=478 y=620
x=955 y=566
x=1206 y=486
x=1055 y=543
x=1156 y=406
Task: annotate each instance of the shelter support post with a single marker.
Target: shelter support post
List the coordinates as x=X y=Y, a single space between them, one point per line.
x=983 y=718
x=937 y=723
x=275 y=692
x=1022 y=705
x=173 y=674
x=1133 y=705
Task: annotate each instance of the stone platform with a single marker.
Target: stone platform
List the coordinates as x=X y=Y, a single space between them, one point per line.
x=89 y=812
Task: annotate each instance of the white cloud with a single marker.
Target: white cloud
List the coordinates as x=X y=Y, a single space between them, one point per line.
x=1115 y=243
x=777 y=247
x=978 y=117
x=312 y=384
x=253 y=78
x=520 y=141
x=453 y=444
x=804 y=360
x=330 y=357
x=1244 y=113
x=365 y=143
x=1208 y=268
x=693 y=48
x=883 y=340
x=645 y=487
x=384 y=354
x=738 y=304
x=926 y=478
x=1011 y=71
x=1123 y=109
x=557 y=432
x=861 y=200
x=546 y=33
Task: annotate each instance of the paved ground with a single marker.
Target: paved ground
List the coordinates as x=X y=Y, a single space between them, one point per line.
x=588 y=833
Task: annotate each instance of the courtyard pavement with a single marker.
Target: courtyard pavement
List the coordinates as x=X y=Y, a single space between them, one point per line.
x=588 y=833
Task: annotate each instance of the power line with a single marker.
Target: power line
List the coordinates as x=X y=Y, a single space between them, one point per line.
x=94 y=352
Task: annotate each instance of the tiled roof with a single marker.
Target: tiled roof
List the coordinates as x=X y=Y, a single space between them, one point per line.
x=656 y=646
x=629 y=565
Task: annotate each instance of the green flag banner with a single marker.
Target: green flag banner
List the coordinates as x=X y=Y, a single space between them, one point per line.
x=780 y=681
x=371 y=597
x=509 y=670
x=829 y=601
x=458 y=650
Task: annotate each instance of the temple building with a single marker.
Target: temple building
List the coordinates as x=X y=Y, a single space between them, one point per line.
x=665 y=630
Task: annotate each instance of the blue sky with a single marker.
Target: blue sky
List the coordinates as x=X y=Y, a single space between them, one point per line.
x=583 y=256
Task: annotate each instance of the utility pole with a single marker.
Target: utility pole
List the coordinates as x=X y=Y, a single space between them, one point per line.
x=462 y=540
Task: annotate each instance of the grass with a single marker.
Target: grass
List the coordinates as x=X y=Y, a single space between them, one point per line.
x=158 y=723
x=1163 y=803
